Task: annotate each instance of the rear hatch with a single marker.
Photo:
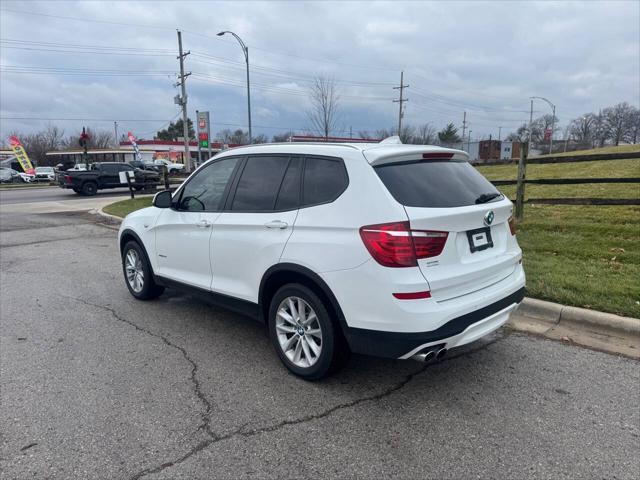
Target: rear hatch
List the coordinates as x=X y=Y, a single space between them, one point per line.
x=441 y=192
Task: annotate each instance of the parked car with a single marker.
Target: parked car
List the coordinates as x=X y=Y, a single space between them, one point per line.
x=105 y=175
x=171 y=166
x=78 y=167
x=145 y=165
x=45 y=174
x=400 y=251
x=9 y=175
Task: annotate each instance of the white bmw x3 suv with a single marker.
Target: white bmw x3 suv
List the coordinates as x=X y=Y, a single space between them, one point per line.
x=400 y=251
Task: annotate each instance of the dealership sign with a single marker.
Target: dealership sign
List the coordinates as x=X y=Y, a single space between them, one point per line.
x=21 y=155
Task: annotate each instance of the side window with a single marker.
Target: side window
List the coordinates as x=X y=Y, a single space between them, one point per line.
x=109 y=169
x=259 y=183
x=125 y=168
x=289 y=195
x=205 y=190
x=324 y=180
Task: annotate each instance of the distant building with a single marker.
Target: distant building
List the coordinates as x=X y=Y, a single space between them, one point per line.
x=489 y=150
x=149 y=151
x=510 y=150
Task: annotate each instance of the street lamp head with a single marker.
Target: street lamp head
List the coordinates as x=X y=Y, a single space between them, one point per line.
x=220 y=34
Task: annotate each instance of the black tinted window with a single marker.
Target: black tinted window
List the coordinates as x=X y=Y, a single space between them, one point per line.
x=109 y=168
x=259 y=183
x=205 y=190
x=435 y=184
x=324 y=180
x=290 y=188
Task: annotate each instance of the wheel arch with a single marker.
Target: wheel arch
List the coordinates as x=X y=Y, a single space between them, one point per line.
x=128 y=235
x=284 y=273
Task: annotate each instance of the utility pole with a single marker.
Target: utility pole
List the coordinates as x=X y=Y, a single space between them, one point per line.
x=115 y=131
x=400 y=101
x=469 y=143
x=464 y=126
x=183 y=102
x=499 y=133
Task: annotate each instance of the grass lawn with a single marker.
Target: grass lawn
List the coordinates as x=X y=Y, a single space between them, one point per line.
x=595 y=151
x=124 y=207
x=602 y=169
x=585 y=256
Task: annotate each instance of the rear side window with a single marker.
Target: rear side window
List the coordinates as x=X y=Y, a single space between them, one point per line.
x=289 y=194
x=259 y=183
x=324 y=180
x=436 y=184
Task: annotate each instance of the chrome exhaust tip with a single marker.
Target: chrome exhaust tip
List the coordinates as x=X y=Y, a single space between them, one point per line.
x=441 y=353
x=424 y=356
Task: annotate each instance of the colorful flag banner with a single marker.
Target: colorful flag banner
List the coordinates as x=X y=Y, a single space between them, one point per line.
x=132 y=139
x=21 y=155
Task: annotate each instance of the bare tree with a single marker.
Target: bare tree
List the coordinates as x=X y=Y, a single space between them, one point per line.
x=238 y=136
x=426 y=134
x=282 y=137
x=601 y=131
x=324 y=112
x=619 y=121
x=97 y=139
x=634 y=133
x=581 y=129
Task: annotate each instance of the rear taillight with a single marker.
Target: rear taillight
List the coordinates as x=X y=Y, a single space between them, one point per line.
x=512 y=225
x=67 y=178
x=396 y=245
x=428 y=244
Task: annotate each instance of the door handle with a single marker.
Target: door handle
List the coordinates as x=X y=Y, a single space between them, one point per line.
x=276 y=224
x=203 y=224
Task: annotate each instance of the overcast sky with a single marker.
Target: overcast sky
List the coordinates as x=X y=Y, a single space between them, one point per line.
x=102 y=61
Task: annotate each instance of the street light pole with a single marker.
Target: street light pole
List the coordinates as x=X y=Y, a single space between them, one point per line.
x=245 y=50
x=553 y=119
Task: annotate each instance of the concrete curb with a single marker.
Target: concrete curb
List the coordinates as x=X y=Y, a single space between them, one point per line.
x=597 y=330
x=107 y=216
x=555 y=313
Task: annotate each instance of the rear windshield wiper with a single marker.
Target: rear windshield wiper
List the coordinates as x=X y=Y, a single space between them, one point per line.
x=487 y=197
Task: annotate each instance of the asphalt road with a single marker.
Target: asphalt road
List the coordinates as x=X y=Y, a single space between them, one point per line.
x=10 y=196
x=94 y=384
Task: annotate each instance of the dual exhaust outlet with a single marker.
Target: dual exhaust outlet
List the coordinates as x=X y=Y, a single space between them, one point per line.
x=429 y=354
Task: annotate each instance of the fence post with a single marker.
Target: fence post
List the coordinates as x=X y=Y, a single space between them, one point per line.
x=522 y=170
x=129 y=183
x=165 y=176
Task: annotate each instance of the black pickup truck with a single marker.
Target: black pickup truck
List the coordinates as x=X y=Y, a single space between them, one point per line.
x=105 y=175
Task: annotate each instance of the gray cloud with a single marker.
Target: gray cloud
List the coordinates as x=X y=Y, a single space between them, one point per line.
x=483 y=57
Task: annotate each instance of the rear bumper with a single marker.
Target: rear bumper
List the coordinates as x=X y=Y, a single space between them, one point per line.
x=456 y=332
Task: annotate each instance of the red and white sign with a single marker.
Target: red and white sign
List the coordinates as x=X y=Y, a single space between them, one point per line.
x=547 y=134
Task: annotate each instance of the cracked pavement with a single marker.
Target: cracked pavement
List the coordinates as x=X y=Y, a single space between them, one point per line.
x=94 y=384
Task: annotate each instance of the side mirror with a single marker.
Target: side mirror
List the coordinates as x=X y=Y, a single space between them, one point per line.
x=162 y=199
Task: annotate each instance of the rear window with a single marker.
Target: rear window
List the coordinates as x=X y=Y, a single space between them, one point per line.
x=436 y=184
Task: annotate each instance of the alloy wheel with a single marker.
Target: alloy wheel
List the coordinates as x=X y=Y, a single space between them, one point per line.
x=299 y=332
x=134 y=271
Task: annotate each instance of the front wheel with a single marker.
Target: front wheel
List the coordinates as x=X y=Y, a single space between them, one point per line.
x=138 y=274
x=304 y=334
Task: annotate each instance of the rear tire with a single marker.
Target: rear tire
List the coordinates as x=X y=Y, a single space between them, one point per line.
x=304 y=335
x=138 y=275
x=89 y=188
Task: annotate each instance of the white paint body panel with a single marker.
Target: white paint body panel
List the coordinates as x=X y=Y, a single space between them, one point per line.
x=232 y=255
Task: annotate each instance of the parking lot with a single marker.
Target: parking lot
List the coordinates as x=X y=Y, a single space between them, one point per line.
x=97 y=385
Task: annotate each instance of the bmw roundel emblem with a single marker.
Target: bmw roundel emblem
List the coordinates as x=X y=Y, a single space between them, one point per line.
x=488 y=218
